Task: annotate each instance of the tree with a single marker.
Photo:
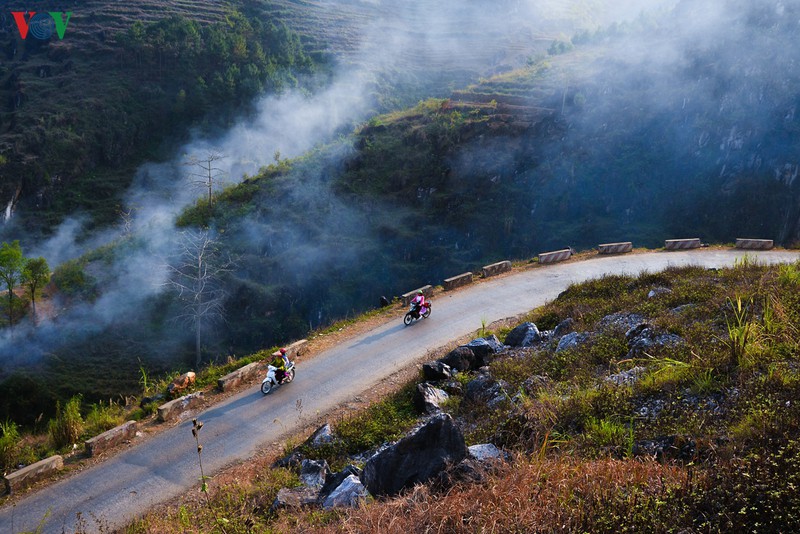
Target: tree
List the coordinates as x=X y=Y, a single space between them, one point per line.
x=11 y=265
x=35 y=274
x=207 y=175
x=197 y=279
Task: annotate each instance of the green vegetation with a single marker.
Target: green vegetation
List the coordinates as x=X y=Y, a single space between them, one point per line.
x=699 y=441
x=81 y=116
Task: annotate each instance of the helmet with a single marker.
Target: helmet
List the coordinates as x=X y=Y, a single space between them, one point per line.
x=419 y=292
x=283 y=351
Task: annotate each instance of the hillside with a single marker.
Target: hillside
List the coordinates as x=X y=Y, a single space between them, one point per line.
x=125 y=84
x=661 y=402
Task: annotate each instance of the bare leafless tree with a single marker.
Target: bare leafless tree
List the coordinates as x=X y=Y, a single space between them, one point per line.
x=205 y=173
x=197 y=277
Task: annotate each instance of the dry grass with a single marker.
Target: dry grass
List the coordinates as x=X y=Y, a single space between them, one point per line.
x=555 y=495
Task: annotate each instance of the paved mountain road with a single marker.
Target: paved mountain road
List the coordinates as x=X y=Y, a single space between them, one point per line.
x=124 y=487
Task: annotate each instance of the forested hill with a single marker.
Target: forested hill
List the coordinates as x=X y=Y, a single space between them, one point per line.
x=126 y=82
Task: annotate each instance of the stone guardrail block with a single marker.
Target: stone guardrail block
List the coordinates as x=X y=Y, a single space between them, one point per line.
x=242 y=374
x=754 y=244
x=556 y=256
x=28 y=475
x=496 y=268
x=298 y=348
x=426 y=290
x=682 y=244
x=110 y=438
x=615 y=248
x=457 y=281
x=173 y=409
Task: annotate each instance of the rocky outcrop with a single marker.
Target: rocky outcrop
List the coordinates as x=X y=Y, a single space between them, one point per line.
x=645 y=337
x=474 y=354
x=313 y=473
x=416 y=458
x=348 y=494
x=437 y=370
x=428 y=399
x=484 y=389
x=524 y=335
x=572 y=341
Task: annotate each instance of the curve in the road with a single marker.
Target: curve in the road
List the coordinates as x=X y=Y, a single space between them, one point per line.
x=119 y=490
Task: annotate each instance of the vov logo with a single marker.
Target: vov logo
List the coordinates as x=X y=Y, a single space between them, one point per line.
x=41 y=25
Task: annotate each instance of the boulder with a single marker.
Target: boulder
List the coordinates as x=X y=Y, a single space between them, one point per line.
x=460 y=359
x=295 y=498
x=428 y=399
x=620 y=322
x=321 y=436
x=437 y=370
x=347 y=495
x=416 y=458
x=644 y=338
x=453 y=387
x=572 y=341
x=313 y=473
x=332 y=481
x=484 y=389
x=181 y=384
x=484 y=348
x=658 y=291
x=564 y=327
x=523 y=335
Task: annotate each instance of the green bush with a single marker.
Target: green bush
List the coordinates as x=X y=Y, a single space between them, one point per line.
x=67 y=426
x=9 y=445
x=70 y=278
x=104 y=417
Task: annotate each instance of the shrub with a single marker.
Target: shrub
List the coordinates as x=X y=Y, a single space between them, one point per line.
x=9 y=445
x=67 y=426
x=104 y=417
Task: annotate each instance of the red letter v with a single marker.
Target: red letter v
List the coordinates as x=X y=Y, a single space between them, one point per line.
x=22 y=25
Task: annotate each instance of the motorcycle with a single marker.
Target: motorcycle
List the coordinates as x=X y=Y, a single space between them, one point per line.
x=414 y=313
x=270 y=382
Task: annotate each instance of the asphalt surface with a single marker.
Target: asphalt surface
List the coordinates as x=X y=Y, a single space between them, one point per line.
x=117 y=491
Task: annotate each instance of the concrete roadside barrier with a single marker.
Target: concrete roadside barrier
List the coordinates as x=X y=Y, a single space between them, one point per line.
x=426 y=290
x=615 y=248
x=110 y=438
x=682 y=244
x=173 y=409
x=754 y=244
x=496 y=268
x=555 y=256
x=28 y=475
x=240 y=375
x=458 y=281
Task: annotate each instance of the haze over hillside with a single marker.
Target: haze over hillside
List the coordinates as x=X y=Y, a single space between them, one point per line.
x=662 y=125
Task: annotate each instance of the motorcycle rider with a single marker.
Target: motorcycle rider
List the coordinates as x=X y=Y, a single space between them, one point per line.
x=280 y=363
x=419 y=303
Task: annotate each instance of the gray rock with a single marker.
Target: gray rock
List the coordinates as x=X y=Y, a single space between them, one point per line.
x=295 y=497
x=485 y=451
x=620 y=322
x=321 y=436
x=644 y=337
x=627 y=378
x=564 y=327
x=460 y=359
x=484 y=348
x=346 y=495
x=437 y=370
x=334 y=480
x=680 y=309
x=658 y=291
x=428 y=399
x=484 y=389
x=418 y=457
x=313 y=473
x=524 y=335
x=453 y=387
x=572 y=341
